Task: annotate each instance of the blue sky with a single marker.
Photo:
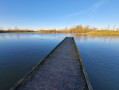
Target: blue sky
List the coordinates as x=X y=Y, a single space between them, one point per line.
x=48 y=14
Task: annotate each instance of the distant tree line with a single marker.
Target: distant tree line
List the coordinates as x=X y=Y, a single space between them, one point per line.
x=79 y=29
x=16 y=29
x=76 y=29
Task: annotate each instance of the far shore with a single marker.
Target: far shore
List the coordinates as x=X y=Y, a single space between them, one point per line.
x=77 y=29
x=93 y=33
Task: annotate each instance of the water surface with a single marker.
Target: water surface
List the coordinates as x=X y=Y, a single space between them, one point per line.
x=100 y=55
x=19 y=53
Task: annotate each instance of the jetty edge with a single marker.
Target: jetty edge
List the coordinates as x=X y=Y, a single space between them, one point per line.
x=83 y=69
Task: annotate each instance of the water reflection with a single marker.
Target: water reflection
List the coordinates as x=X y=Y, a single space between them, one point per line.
x=101 y=59
x=78 y=36
x=28 y=35
x=20 y=52
x=86 y=37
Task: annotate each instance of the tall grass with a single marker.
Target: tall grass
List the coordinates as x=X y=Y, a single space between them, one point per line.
x=83 y=29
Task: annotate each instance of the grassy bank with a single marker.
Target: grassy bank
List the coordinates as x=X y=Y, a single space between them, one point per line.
x=104 y=32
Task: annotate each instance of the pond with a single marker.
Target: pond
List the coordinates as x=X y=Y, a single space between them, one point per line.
x=20 y=52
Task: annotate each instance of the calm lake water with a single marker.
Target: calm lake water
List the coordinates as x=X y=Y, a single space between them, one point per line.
x=19 y=53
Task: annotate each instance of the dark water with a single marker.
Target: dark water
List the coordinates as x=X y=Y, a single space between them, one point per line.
x=100 y=56
x=20 y=52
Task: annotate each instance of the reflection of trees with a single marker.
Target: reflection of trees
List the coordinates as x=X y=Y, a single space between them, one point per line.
x=79 y=37
x=13 y=35
x=39 y=35
x=85 y=37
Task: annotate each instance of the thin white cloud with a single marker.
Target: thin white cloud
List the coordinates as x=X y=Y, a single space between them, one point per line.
x=97 y=5
x=91 y=9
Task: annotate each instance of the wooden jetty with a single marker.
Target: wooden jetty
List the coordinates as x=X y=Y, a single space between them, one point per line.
x=61 y=69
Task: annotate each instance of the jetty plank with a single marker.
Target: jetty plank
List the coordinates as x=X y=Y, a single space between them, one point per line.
x=60 y=70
